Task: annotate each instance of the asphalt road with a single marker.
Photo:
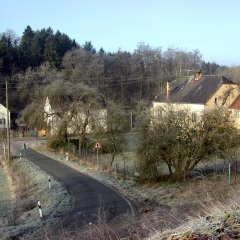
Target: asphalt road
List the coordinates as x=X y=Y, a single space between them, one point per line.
x=90 y=197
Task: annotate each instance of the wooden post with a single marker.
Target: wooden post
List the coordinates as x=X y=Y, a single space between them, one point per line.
x=97 y=156
x=8 y=127
x=229 y=173
x=235 y=171
x=25 y=147
x=4 y=151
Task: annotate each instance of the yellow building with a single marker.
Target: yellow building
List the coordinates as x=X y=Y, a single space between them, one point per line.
x=197 y=94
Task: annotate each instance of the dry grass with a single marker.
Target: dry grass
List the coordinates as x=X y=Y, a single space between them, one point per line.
x=30 y=184
x=99 y=231
x=218 y=218
x=22 y=183
x=196 y=209
x=195 y=191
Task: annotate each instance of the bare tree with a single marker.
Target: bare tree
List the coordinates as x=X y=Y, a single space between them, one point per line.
x=181 y=142
x=83 y=117
x=113 y=134
x=76 y=107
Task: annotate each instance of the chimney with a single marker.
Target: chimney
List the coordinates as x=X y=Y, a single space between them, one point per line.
x=198 y=75
x=168 y=90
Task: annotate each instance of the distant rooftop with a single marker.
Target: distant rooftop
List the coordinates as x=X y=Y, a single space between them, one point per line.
x=193 y=91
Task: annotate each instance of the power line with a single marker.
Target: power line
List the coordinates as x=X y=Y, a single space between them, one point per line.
x=98 y=79
x=101 y=83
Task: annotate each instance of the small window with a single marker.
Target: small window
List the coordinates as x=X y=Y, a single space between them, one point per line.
x=2 y=121
x=215 y=101
x=237 y=113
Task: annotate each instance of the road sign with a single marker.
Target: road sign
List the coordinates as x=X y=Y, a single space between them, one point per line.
x=97 y=145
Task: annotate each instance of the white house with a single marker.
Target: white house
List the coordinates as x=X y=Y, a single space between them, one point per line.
x=53 y=121
x=3 y=116
x=49 y=116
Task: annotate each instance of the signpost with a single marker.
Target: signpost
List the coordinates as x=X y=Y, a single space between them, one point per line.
x=97 y=146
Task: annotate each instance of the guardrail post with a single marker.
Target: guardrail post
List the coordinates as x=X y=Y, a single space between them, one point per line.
x=40 y=209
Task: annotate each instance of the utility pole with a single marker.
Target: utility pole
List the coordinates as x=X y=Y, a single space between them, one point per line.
x=8 y=130
x=131 y=121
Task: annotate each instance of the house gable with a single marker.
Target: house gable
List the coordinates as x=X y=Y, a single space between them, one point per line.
x=225 y=95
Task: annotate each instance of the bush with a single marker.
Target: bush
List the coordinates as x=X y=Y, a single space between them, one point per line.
x=180 y=142
x=58 y=145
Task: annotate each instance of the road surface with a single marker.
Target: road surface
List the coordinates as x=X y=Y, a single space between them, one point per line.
x=90 y=197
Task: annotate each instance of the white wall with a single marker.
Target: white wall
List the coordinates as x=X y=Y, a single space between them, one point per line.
x=3 y=117
x=52 y=120
x=197 y=108
x=49 y=116
x=100 y=119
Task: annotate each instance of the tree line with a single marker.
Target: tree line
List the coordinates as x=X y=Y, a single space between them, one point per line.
x=122 y=77
x=32 y=49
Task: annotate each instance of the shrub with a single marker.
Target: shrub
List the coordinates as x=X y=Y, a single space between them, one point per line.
x=180 y=142
x=58 y=144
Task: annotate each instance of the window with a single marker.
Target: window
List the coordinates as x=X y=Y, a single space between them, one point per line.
x=237 y=113
x=215 y=101
x=2 y=121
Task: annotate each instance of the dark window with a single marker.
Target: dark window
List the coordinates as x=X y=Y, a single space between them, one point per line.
x=2 y=121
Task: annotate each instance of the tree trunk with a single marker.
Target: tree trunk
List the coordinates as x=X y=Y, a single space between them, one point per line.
x=148 y=88
x=122 y=89
x=140 y=90
x=112 y=159
x=113 y=155
x=79 y=146
x=170 y=169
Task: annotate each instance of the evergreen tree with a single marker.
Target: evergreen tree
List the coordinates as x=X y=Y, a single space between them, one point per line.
x=87 y=46
x=25 y=48
x=63 y=43
x=8 y=55
x=50 y=53
x=101 y=51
